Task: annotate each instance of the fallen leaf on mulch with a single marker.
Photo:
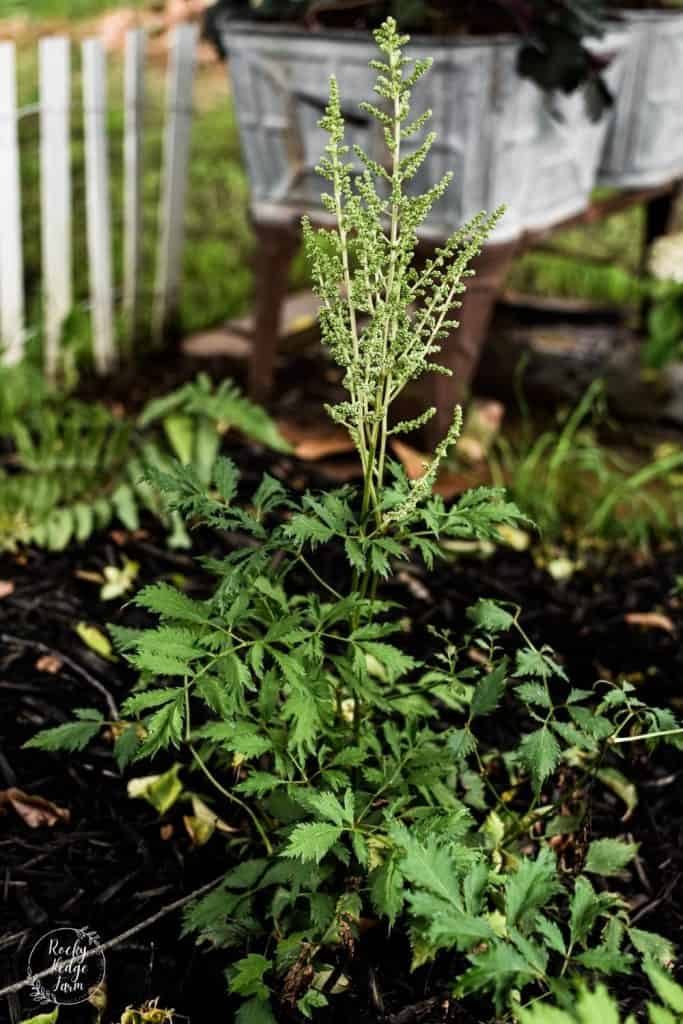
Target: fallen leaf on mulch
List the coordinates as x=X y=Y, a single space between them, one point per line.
x=483 y=421
x=203 y=822
x=315 y=442
x=95 y=639
x=651 y=620
x=341 y=471
x=34 y=811
x=415 y=586
x=413 y=462
x=450 y=485
x=49 y=663
x=6 y=588
x=222 y=342
x=161 y=791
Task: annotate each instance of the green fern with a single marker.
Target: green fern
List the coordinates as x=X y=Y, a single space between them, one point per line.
x=74 y=467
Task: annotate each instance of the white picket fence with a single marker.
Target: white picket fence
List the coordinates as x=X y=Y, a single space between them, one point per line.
x=55 y=112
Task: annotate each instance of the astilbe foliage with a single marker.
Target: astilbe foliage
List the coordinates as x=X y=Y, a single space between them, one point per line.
x=359 y=777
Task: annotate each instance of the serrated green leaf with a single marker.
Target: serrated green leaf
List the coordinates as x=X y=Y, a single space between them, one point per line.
x=170 y=602
x=497 y=970
x=587 y=907
x=239 y=738
x=552 y=933
x=125 y=747
x=653 y=947
x=255 y=1011
x=150 y=699
x=312 y=840
x=461 y=743
x=394 y=662
x=534 y=693
x=609 y=856
x=259 y=783
x=605 y=960
x=164 y=728
x=354 y=554
x=246 y=874
x=531 y=662
x=70 y=736
x=530 y=888
x=246 y=976
x=668 y=990
x=386 y=890
x=489 y=616
x=327 y=806
x=541 y=753
x=489 y=691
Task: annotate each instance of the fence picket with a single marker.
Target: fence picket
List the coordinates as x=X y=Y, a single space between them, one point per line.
x=55 y=192
x=11 y=262
x=134 y=99
x=98 y=213
x=174 y=176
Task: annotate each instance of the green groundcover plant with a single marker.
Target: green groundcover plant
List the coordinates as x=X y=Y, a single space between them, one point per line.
x=71 y=467
x=365 y=783
x=599 y=1005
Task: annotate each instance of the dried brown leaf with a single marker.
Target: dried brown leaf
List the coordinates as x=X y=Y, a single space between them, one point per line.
x=49 y=663
x=651 y=620
x=35 y=811
x=316 y=441
x=413 y=461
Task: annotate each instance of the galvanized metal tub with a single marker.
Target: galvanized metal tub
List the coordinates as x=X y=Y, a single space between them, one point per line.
x=496 y=131
x=645 y=142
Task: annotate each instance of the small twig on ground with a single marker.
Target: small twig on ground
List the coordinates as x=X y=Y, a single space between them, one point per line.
x=10 y=638
x=118 y=939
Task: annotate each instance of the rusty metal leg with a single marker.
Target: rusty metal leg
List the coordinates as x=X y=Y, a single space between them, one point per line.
x=276 y=246
x=659 y=220
x=462 y=350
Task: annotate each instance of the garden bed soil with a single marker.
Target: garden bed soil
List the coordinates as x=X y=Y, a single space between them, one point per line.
x=115 y=863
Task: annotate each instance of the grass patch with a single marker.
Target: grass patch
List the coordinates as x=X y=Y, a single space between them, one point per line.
x=71 y=9
x=596 y=262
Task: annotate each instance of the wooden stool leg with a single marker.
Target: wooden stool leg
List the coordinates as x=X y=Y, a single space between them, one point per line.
x=462 y=350
x=659 y=220
x=276 y=247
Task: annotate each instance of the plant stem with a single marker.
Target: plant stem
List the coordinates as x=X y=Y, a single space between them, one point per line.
x=234 y=799
x=645 y=736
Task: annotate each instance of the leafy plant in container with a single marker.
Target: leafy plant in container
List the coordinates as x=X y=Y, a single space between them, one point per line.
x=364 y=789
x=645 y=142
x=528 y=142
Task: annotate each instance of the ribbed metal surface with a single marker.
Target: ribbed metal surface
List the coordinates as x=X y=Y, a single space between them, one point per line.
x=645 y=143
x=496 y=131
